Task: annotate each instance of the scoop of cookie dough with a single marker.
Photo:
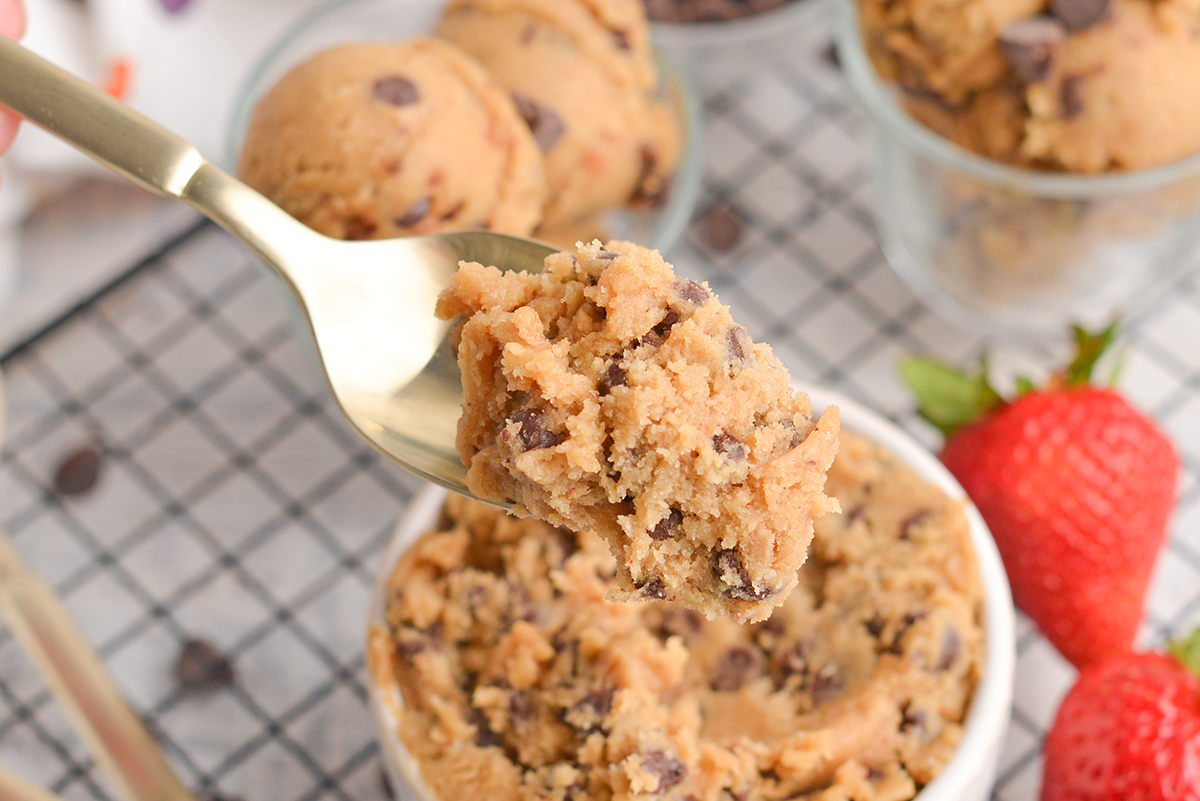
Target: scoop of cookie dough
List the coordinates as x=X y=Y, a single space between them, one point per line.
x=607 y=394
x=519 y=680
x=373 y=140
x=1078 y=85
x=583 y=75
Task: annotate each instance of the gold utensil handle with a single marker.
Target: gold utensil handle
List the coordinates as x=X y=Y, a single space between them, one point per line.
x=96 y=123
x=118 y=740
x=146 y=153
x=14 y=788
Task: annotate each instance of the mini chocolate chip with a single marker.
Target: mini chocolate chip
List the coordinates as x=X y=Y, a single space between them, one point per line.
x=827 y=683
x=912 y=718
x=200 y=667
x=658 y=334
x=614 y=376
x=79 y=472
x=653 y=588
x=951 y=649
x=667 y=322
x=910 y=523
x=621 y=39
x=395 y=91
x=545 y=125
x=875 y=624
x=729 y=446
x=693 y=292
x=722 y=227
x=415 y=213
x=1031 y=46
x=732 y=575
x=792 y=662
x=738 y=343
x=669 y=769
x=411 y=641
x=485 y=737
x=651 y=188
x=607 y=255
x=906 y=622
x=797 y=437
x=358 y=227
x=1079 y=14
x=736 y=668
x=587 y=714
x=855 y=513
x=528 y=33
x=664 y=528
x=534 y=432
x=1070 y=96
x=519 y=706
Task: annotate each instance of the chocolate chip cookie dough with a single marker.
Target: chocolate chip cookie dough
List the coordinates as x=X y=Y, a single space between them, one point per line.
x=519 y=679
x=1077 y=85
x=584 y=77
x=606 y=394
x=372 y=140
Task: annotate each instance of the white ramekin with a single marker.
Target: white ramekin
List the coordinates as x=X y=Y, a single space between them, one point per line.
x=970 y=773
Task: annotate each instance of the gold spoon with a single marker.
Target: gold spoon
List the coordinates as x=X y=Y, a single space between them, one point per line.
x=124 y=750
x=369 y=304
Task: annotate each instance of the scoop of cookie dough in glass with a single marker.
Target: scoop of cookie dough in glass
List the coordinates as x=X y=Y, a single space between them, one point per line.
x=373 y=140
x=608 y=394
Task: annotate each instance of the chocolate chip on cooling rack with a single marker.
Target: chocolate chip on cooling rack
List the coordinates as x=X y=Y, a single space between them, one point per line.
x=200 y=667
x=79 y=471
x=721 y=227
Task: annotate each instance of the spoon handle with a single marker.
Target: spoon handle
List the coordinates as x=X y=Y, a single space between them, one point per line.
x=120 y=743
x=146 y=153
x=14 y=788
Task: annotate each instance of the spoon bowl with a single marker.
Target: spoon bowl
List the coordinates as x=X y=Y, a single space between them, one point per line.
x=369 y=304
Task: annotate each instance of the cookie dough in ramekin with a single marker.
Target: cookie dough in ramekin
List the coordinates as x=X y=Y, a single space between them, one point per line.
x=983 y=657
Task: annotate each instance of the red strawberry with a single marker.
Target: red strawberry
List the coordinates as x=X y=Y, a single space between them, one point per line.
x=1128 y=729
x=1074 y=483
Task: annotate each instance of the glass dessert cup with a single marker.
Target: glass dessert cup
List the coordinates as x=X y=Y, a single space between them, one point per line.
x=1008 y=250
x=342 y=21
x=969 y=774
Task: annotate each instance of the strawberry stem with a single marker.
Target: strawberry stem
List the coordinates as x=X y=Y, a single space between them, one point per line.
x=947 y=396
x=1187 y=651
x=1089 y=347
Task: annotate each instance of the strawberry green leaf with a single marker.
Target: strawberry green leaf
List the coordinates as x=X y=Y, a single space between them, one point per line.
x=1187 y=651
x=947 y=396
x=1089 y=347
x=1024 y=385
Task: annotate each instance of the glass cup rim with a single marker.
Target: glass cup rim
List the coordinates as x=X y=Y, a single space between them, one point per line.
x=881 y=107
